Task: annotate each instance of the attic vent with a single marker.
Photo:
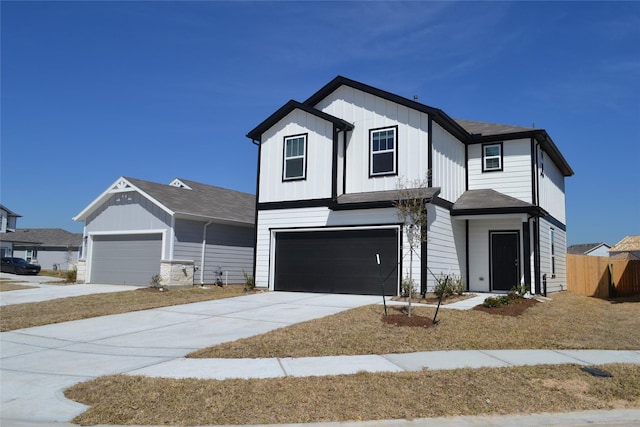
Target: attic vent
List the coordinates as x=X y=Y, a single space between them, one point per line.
x=177 y=183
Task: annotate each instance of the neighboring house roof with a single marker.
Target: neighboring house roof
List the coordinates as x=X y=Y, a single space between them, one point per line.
x=383 y=198
x=628 y=244
x=54 y=237
x=9 y=212
x=481 y=202
x=585 y=248
x=185 y=199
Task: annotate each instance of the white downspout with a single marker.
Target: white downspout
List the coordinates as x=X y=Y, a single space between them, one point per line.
x=204 y=250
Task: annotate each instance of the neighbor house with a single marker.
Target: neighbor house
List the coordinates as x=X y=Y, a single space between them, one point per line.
x=186 y=232
x=591 y=249
x=51 y=248
x=8 y=220
x=627 y=248
x=328 y=173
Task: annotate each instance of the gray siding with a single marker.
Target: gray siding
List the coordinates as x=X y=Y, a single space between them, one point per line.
x=128 y=211
x=48 y=257
x=230 y=247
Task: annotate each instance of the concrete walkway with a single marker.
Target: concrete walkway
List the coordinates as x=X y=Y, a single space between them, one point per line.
x=44 y=292
x=37 y=364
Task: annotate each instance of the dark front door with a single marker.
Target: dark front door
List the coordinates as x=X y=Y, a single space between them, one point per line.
x=505 y=260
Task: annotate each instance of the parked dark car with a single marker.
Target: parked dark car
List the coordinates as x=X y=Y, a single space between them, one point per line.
x=18 y=266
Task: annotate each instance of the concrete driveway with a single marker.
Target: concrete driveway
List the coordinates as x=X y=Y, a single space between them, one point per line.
x=38 y=363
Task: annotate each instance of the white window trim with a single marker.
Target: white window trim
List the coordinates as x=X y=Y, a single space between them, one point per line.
x=394 y=150
x=303 y=157
x=485 y=157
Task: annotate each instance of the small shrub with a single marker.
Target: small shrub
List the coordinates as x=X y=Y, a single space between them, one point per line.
x=156 y=281
x=72 y=275
x=408 y=287
x=457 y=284
x=498 y=301
x=443 y=287
x=519 y=291
x=249 y=281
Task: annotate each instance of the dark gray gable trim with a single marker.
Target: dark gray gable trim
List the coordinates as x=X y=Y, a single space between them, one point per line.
x=256 y=133
x=438 y=115
x=295 y=204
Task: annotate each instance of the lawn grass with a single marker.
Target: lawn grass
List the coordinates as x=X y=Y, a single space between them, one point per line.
x=82 y=307
x=12 y=285
x=565 y=321
x=122 y=399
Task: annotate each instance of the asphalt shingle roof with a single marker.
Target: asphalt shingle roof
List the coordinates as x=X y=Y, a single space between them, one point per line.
x=474 y=202
x=201 y=200
x=44 y=237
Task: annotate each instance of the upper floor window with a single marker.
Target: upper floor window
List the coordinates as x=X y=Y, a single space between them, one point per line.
x=295 y=157
x=383 y=151
x=492 y=157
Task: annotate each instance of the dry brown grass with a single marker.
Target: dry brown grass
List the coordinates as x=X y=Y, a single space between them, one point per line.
x=82 y=307
x=139 y=400
x=11 y=285
x=566 y=322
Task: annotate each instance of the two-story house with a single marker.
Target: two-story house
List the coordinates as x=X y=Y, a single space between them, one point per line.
x=329 y=170
x=8 y=220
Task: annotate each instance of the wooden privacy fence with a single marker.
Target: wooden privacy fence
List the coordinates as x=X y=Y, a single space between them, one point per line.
x=602 y=277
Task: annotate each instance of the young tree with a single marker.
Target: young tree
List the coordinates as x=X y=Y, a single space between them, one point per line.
x=412 y=213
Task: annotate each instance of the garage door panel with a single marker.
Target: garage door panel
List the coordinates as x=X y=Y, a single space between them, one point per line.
x=126 y=259
x=336 y=261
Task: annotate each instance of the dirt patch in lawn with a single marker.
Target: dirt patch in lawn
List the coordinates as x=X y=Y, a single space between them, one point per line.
x=139 y=400
x=431 y=298
x=515 y=308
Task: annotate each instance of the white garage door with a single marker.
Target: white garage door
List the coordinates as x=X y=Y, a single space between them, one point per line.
x=125 y=259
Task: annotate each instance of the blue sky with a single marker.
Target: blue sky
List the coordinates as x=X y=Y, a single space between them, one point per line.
x=92 y=91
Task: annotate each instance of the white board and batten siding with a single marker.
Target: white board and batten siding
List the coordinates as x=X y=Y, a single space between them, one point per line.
x=448 y=168
x=551 y=187
x=229 y=247
x=317 y=184
x=446 y=248
x=366 y=111
x=558 y=281
x=318 y=218
x=479 y=249
x=515 y=178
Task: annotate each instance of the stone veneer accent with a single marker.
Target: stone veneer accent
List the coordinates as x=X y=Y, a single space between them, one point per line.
x=176 y=273
x=81 y=274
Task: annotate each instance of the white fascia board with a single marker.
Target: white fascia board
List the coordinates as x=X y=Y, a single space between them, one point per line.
x=120 y=185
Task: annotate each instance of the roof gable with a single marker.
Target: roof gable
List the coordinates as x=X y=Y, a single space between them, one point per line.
x=184 y=199
x=628 y=244
x=287 y=108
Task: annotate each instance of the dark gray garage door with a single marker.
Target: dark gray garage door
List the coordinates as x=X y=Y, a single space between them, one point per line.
x=126 y=259
x=342 y=262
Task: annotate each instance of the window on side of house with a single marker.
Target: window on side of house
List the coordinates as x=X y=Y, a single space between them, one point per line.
x=295 y=157
x=383 y=151
x=552 y=251
x=492 y=157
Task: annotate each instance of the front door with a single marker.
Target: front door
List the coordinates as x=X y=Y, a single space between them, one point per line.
x=504 y=263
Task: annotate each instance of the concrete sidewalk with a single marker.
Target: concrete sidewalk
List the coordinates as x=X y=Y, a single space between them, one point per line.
x=38 y=363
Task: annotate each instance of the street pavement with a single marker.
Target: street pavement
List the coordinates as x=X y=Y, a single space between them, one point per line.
x=37 y=364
